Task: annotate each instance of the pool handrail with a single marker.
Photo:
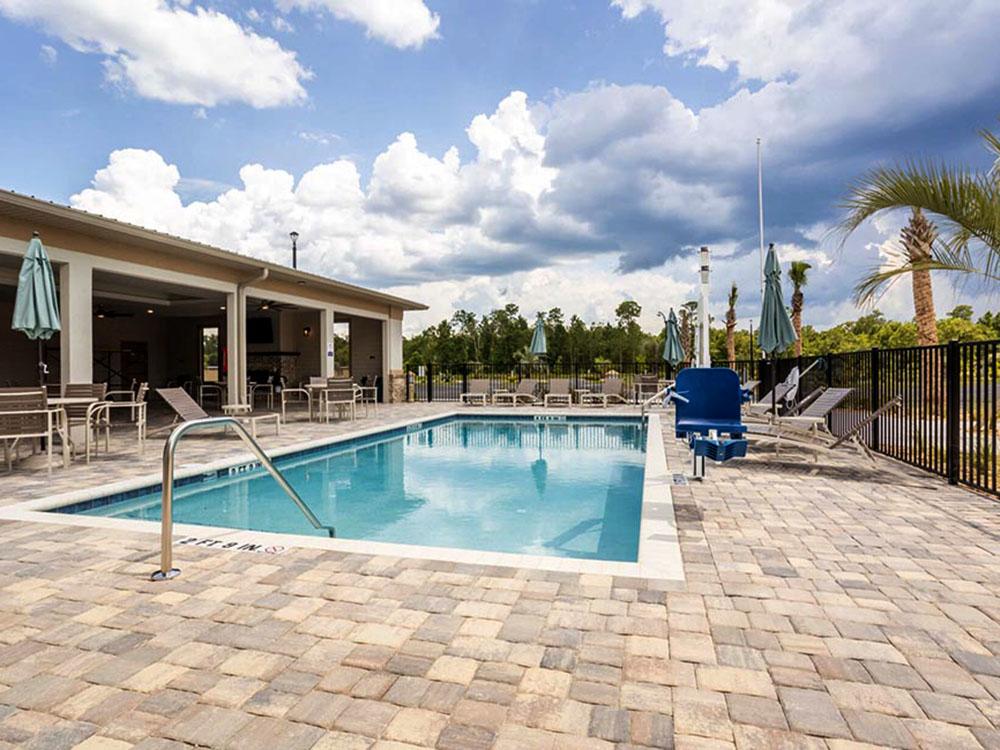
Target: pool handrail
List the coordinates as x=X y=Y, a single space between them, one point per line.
x=167 y=571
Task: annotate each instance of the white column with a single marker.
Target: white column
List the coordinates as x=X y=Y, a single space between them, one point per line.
x=393 y=332
x=76 y=313
x=236 y=345
x=326 y=358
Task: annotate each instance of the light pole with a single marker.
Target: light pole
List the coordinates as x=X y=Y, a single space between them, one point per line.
x=295 y=248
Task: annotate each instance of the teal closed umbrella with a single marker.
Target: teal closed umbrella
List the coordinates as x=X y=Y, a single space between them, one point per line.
x=776 y=330
x=539 y=346
x=673 y=351
x=36 y=307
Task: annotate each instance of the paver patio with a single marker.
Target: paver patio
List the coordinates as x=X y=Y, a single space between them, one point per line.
x=826 y=605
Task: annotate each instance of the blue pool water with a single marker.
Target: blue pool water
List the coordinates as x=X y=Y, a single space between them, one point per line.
x=564 y=489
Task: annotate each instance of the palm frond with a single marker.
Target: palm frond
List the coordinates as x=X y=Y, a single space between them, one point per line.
x=944 y=257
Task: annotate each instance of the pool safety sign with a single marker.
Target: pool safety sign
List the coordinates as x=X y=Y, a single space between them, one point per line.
x=234 y=546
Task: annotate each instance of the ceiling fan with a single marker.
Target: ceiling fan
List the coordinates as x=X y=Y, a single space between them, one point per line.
x=270 y=304
x=102 y=312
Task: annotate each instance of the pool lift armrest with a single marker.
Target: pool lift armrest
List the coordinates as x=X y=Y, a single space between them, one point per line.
x=167 y=571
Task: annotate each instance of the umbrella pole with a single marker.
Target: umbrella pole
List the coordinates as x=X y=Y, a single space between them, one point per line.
x=41 y=363
x=774 y=385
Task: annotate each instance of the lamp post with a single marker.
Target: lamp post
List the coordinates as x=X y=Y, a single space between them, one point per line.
x=295 y=248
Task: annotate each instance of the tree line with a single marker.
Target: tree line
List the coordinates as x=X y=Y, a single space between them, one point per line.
x=503 y=336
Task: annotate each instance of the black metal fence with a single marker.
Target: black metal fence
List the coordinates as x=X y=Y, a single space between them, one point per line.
x=946 y=424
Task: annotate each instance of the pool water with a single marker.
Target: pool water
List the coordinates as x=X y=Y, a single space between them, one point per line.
x=563 y=489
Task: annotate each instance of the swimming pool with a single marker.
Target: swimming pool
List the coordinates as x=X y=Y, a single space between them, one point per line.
x=568 y=487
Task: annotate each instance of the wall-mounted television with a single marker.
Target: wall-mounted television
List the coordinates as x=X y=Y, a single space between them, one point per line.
x=260 y=331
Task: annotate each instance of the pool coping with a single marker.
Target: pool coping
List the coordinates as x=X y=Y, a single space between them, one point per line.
x=659 y=548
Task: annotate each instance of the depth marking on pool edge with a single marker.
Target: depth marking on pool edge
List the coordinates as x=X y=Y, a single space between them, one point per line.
x=260 y=549
x=550 y=418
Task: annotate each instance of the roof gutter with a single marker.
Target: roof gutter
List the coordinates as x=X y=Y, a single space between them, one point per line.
x=241 y=325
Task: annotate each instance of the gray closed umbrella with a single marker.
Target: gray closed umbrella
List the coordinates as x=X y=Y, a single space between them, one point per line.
x=36 y=306
x=776 y=330
x=539 y=346
x=673 y=350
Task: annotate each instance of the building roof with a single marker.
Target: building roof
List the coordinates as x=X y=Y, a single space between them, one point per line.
x=28 y=208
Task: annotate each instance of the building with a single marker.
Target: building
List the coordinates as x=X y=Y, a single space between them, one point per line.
x=140 y=304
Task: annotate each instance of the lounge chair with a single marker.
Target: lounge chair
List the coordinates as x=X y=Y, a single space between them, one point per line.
x=645 y=387
x=479 y=392
x=26 y=415
x=559 y=393
x=820 y=442
x=524 y=393
x=341 y=394
x=762 y=406
x=187 y=409
x=748 y=388
x=611 y=390
x=812 y=412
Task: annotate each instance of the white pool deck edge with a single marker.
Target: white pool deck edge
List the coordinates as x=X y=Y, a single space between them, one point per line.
x=659 y=547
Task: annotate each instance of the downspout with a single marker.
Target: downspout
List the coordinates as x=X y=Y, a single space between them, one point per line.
x=241 y=334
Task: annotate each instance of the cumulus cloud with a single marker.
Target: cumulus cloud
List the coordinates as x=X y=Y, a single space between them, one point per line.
x=401 y=23
x=172 y=51
x=592 y=196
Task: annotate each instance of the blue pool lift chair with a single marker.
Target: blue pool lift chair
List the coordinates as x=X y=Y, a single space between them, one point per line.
x=708 y=407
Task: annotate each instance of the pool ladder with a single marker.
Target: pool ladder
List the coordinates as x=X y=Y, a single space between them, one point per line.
x=167 y=570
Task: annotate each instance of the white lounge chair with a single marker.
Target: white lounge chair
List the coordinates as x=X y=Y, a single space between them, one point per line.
x=611 y=390
x=478 y=393
x=558 y=393
x=524 y=393
x=187 y=409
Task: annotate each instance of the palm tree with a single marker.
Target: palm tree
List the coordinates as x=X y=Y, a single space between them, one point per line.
x=797 y=275
x=688 y=323
x=965 y=202
x=734 y=294
x=918 y=242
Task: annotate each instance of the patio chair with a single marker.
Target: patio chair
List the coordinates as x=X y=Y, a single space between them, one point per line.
x=86 y=415
x=479 y=392
x=341 y=394
x=818 y=442
x=26 y=415
x=559 y=393
x=611 y=390
x=186 y=409
x=524 y=393
x=101 y=416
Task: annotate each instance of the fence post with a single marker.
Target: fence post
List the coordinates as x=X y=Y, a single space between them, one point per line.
x=430 y=381
x=953 y=407
x=874 y=372
x=465 y=378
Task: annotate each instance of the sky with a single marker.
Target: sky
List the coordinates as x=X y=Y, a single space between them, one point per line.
x=473 y=154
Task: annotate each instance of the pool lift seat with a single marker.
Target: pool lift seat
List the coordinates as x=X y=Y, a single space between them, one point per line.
x=708 y=407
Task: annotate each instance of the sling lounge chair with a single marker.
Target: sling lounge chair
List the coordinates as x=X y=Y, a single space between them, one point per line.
x=762 y=406
x=478 y=393
x=186 y=409
x=525 y=393
x=821 y=442
x=611 y=390
x=559 y=393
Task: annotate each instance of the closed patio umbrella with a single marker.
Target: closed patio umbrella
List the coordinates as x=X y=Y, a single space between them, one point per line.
x=776 y=330
x=673 y=350
x=539 y=346
x=36 y=307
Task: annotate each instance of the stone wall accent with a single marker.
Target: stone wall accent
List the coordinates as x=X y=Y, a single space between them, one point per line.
x=397 y=386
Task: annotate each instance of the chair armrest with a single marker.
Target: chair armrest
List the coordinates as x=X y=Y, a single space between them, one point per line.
x=109 y=394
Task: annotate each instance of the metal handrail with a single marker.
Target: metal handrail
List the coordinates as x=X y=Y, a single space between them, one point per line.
x=167 y=570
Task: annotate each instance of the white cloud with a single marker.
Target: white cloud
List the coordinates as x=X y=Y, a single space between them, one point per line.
x=48 y=54
x=172 y=51
x=597 y=195
x=401 y=23
x=321 y=137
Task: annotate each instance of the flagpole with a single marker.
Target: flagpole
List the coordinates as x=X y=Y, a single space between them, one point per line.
x=760 y=212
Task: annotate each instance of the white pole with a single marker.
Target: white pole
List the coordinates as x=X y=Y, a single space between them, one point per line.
x=760 y=213
x=704 y=355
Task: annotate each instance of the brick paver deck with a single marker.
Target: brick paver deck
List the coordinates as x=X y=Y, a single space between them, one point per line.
x=826 y=605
